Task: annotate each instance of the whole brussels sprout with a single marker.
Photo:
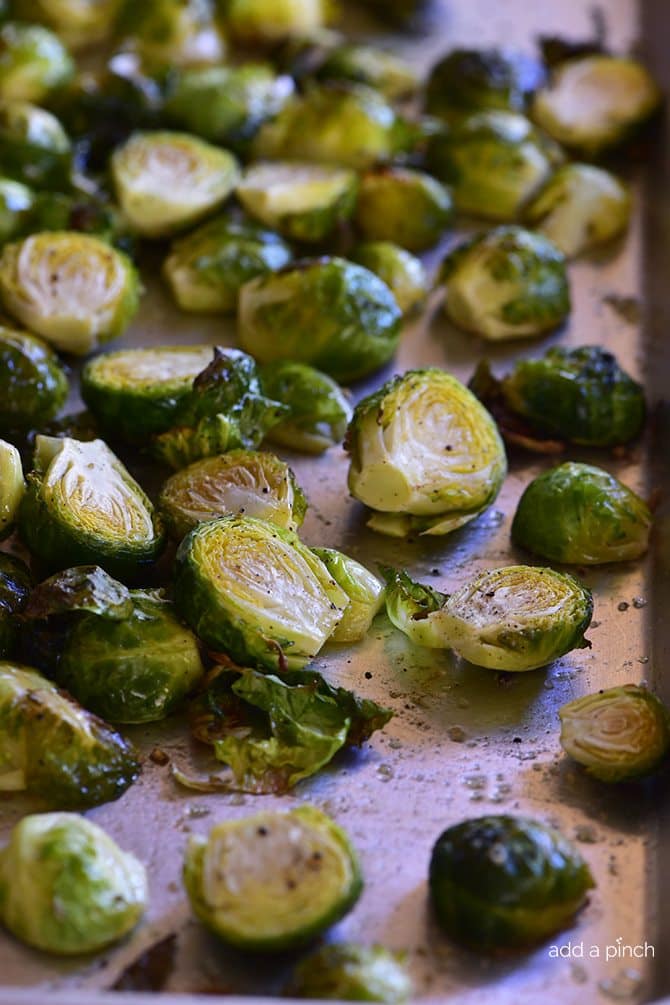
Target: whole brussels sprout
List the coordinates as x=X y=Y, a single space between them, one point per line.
x=365 y=64
x=319 y=411
x=33 y=61
x=507 y=283
x=80 y=23
x=254 y=22
x=403 y=273
x=504 y=882
x=66 y=886
x=253 y=590
x=12 y=486
x=407 y=207
x=619 y=734
x=346 y=971
x=325 y=311
x=582 y=515
x=172 y=33
x=34 y=147
x=365 y=592
x=426 y=457
x=467 y=81
x=165 y=181
x=72 y=289
x=33 y=384
x=273 y=881
x=16 y=203
x=15 y=585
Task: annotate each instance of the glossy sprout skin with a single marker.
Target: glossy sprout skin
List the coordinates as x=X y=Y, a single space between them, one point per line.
x=403 y=273
x=404 y=206
x=165 y=34
x=467 y=81
x=15 y=586
x=34 y=148
x=319 y=410
x=619 y=734
x=33 y=62
x=346 y=971
x=33 y=383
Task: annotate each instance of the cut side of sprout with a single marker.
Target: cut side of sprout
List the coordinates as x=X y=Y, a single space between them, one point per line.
x=12 y=486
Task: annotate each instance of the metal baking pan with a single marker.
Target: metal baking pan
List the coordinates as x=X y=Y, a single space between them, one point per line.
x=421 y=774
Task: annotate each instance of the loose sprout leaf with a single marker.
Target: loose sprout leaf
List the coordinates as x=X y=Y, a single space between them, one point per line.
x=365 y=592
x=318 y=410
x=82 y=588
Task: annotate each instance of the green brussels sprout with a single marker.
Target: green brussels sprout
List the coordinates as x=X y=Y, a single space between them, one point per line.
x=166 y=181
x=365 y=592
x=365 y=64
x=254 y=22
x=34 y=148
x=337 y=316
x=319 y=411
x=581 y=515
x=619 y=734
x=346 y=971
x=426 y=457
x=82 y=505
x=83 y=588
x=404 y=206
x=172 y=33
x=33 y=62
x=494 y=162
x=403 y=273
x=72 y=289
x=467 y=81
x=12 y=486
x=504 y=882
x=512 y=619
x=253 y=590
x=66 y=887
x=273 y=881
x=244 y=482
x=508 y=283
x=80 y=23
x=304 y=202
x=595 y=102
x=16 y=204
x=33 y=385
x=206 y=269
x=579 y=207
x=15 y=586
x=51 y=747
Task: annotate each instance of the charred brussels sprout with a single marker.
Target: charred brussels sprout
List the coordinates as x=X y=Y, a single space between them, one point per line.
x=172 y=33
x=619 y=734
x=319 y=411
x=404 y=206
x=365 y=592
x=426 y=457
x=348 y=972
x=467 y=81
x=328 y=312
x=66 y=887
x=508 y=283
x=166 y=181
x=403 y=273
x=254 y=22
x=51 y=747
x=80 y=23
x=364 y=64
x=33 y=61
x=34 y=147
x=503 y=882
x=15 y=585
x=33 y=385
x=273 y=881
x=16 y=204
x=12 y=486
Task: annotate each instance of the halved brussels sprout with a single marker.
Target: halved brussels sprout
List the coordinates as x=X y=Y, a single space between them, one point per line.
x=242 y=482
x=346 y=971
x=166 y=181
x=254 y=22
x=34 y=147
x=593 y=103
x=467 y=81
x=328 y=312
x=15 y=586
x=172 y=33
x=12 y=486
x=407 y=207
x=504 y=882
x=426 y=457
x=403 y=273
x=253 y=590
x=365 y=64
x=33 y=62
x=582 y=515
x=16 y=203
x=82 y=505
x=507 y=283
x=66 y=886
x=365 y=592
x=579 y=207
x=72 y=289
x=319 y=411
x=52 y=747
x=33 y=385
x=273 y=881
x=80 y=23
x=618 y=734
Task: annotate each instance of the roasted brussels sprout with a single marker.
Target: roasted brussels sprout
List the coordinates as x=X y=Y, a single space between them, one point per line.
x=618 y=734
x=15 y=585
x=82 y=505
x=84 y=589
x=365 y=64
x=12 y=486
x=166 y=181
x=80 y=23
x=319 y=412
x=34 y=147
x=579 y=207
x=33 y=385
x=582 y=515
x=243 y=482
x=328 y=312
x=51 y=747
x=33 y=61
x=404 y=206
x=254 y=22
x=273 y=881
x=349 y=972
x=66 y=886
x=425 y=456
x=72 y=289
x=59 y=211
x=16 y=203
x=502 y=882
x=172 y=33
x=403 y=273
x=467 y=81
x=365 y=592
x=508 y=283
x=251 y=589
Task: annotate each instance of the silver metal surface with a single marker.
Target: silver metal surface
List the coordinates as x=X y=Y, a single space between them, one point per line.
x=462 y=742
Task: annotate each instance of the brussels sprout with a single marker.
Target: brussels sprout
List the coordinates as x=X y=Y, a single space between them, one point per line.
x=319 y=411
x=580 y=514
x=82 y=505
x=254 y=22
x=173 y=33
x=404 y=206
x=348 y=972
x=33 y=385
x=72 y=289
x=166 y=181
x=501 y=882
x=365 y=592
x=508 y=283
x=579 y=207
x=244 y=482
x=34 y=147
x=12 y=486
x=273 y=881
x=33 y=61
x=52 y=747
x=206 y=269
x=618 y=734
x=494 y=161
x=403 y=273
x=58 y=211
x=251 y=589
x=365 y=64
x=425 y=456
x=66 y=886
x=595 y=102
x=80 y=23
x=16 y=203
x=467 y=81
x=83 y=588
x=15 y=584
x=325 y=311
x=304 y=202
